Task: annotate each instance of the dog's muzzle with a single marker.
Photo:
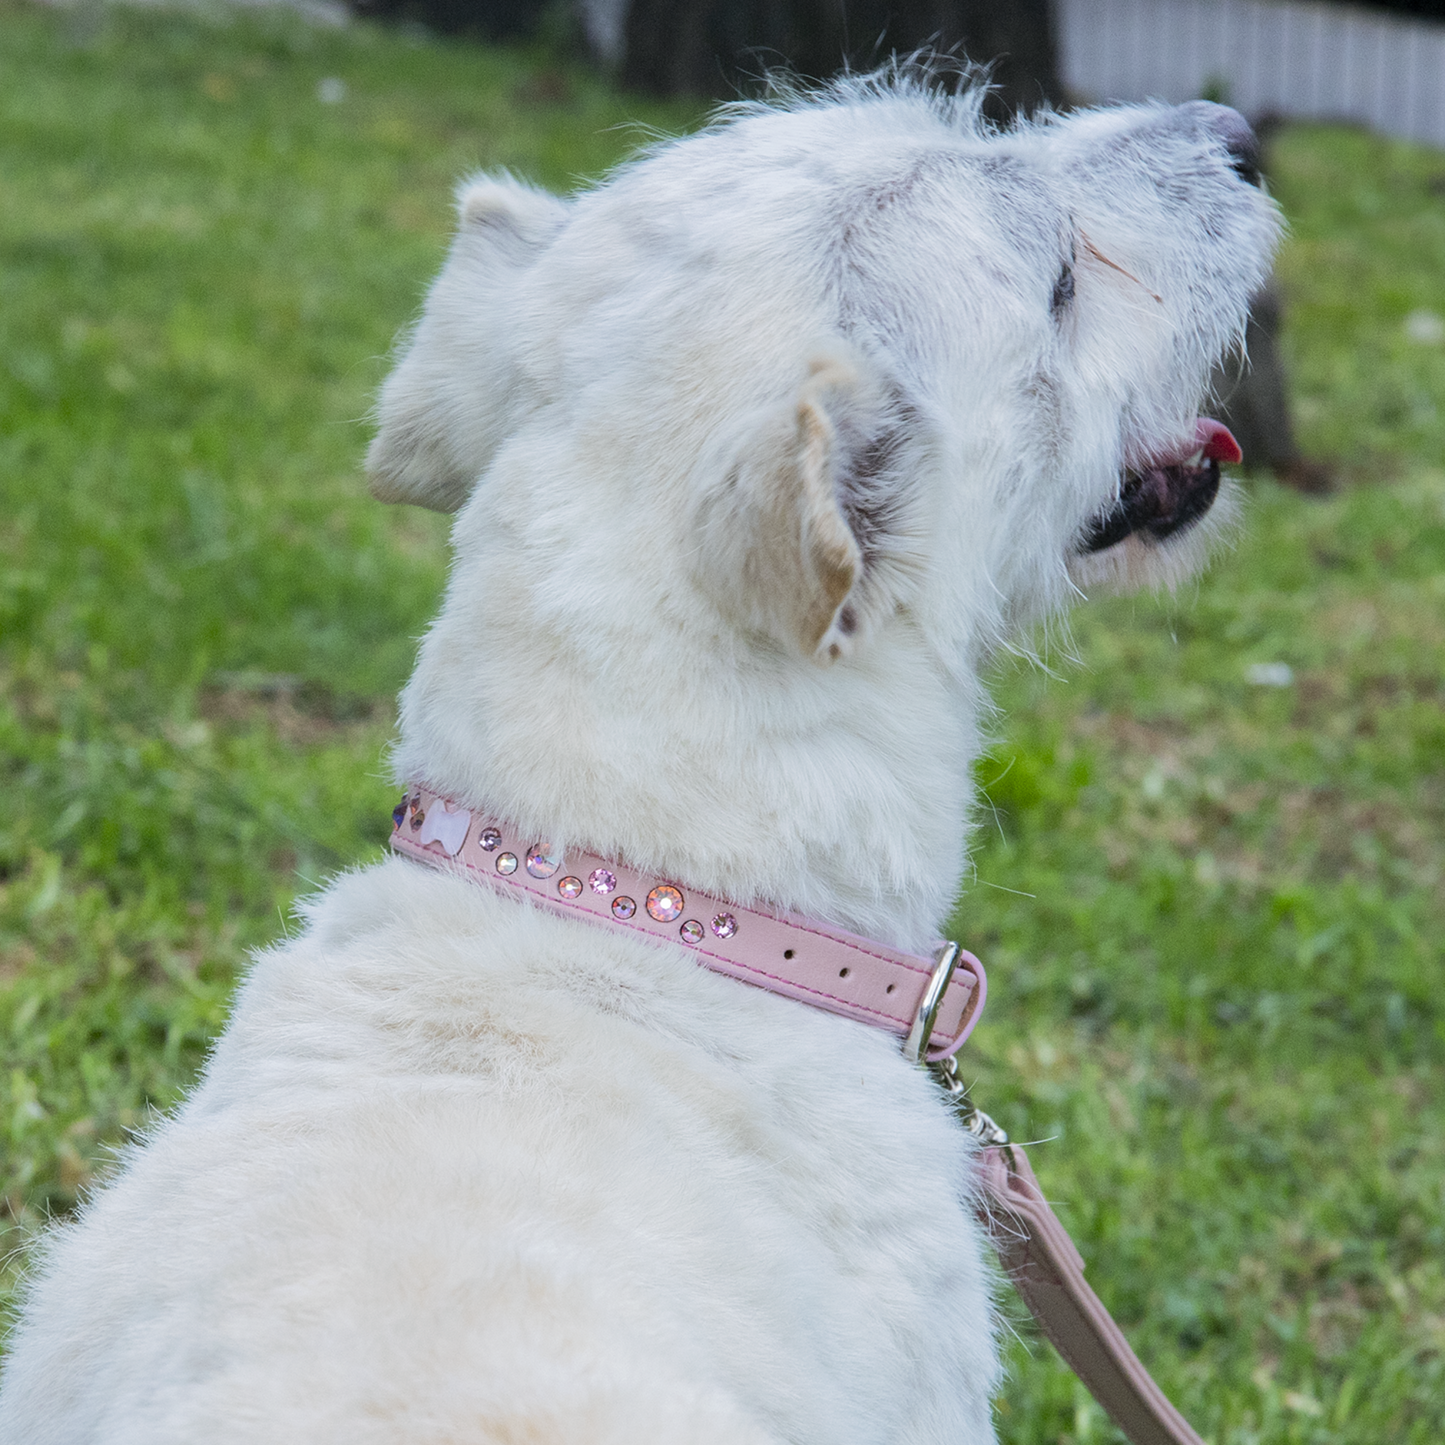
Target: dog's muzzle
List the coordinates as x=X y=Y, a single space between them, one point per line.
x=1168 y=495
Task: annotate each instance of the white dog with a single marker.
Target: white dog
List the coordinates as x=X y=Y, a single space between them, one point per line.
x=760 y=449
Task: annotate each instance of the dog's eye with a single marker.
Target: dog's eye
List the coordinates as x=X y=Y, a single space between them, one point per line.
x=1063 y=290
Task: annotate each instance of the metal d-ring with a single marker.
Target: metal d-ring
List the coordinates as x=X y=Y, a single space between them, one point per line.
x=945 y=1070
x=932 y=1000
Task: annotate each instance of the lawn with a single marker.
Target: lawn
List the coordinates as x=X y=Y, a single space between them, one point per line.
x=1211 y=908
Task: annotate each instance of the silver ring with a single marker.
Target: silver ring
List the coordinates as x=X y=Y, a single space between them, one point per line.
x=928 y=1006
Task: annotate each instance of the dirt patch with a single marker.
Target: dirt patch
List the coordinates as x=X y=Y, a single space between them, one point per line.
x=299 y=711
x=1199 y=792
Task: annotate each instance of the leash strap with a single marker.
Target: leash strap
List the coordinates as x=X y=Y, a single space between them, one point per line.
x=1047 y=1270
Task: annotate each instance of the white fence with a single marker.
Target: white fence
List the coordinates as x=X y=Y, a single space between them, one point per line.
x=1303 y=60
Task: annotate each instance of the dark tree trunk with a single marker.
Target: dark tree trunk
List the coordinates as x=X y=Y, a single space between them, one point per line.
x=1251 y=393
x=1254 y=400
x=715 y=47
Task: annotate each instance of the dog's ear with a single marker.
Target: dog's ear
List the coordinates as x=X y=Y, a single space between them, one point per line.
x=780 y=526
x=452 y=398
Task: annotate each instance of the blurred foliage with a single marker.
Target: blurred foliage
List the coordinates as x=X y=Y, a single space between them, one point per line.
x=1211 y=909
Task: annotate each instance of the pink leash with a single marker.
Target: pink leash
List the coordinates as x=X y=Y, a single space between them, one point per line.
x=932 y=1003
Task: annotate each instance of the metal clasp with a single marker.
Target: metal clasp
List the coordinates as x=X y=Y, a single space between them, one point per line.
x=945 y=1070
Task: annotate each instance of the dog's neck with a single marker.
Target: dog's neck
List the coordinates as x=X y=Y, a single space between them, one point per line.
x=841 y=793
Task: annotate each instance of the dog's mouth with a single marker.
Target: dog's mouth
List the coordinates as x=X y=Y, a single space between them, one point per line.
x=1167 y=494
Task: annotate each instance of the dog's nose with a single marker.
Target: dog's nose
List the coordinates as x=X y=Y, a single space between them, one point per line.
x=1236 y=133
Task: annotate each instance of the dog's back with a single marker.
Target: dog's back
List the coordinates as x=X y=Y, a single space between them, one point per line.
x=461 y=1171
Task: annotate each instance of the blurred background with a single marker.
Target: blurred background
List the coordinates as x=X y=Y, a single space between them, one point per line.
x=1207 y=872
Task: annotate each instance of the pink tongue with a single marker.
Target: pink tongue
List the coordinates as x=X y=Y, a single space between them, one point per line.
x=1218 y=443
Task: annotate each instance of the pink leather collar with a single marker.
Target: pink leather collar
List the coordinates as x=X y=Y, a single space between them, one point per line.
x=796 y=957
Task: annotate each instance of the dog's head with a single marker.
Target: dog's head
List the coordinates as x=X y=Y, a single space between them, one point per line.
x=855 y=352
x=852 y=381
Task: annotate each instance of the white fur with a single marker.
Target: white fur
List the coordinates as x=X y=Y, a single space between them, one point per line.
x=761 y=448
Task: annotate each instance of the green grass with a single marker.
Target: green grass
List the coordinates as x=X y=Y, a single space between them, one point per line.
x=1221 y=1001
x=204 y=619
